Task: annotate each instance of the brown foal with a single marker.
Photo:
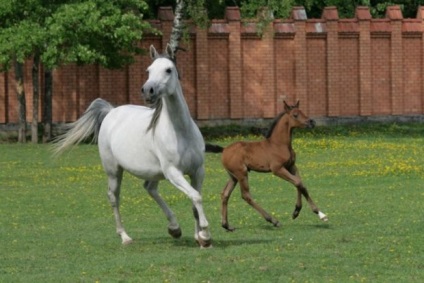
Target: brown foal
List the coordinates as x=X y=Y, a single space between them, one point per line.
x=274 y=154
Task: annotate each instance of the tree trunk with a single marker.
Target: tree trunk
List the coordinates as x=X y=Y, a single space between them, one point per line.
x=47 y=115
x=20 y=91
x=177 y=27
x=35 y=98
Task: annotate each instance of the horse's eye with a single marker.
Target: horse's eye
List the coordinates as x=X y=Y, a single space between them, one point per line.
x=168 y=71
x=295 y=115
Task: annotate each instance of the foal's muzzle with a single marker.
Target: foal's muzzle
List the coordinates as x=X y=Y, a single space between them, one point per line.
x=311 y=124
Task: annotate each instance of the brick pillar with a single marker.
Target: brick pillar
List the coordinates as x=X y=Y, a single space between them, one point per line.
x=269 y=94
x=396 y=88
x=3 y=98
x=202 y=74
x=232 y=15
x=330 y=14
x=298 y=14
x=166 y=17
x=420 y=16
x=365 y=96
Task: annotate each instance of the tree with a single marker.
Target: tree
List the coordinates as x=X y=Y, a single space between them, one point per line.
x=17 y=37
x=92 y=32
x=55 y=33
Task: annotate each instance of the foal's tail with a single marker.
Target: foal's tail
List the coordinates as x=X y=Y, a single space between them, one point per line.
x=86 y=126
x=213 y=148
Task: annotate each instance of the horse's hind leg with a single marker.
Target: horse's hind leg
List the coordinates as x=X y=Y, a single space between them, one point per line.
x=173 y=226
x=114 y=182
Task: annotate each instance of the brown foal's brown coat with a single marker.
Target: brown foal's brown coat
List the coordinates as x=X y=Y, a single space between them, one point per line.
x=274 y=154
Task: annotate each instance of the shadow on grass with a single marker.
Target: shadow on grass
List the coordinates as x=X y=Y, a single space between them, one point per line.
x=188 y=241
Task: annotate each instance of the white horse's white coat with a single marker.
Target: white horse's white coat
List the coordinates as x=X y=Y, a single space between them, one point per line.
x=172 y=148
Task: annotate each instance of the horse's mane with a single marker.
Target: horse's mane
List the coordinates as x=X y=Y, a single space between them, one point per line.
x=274 y=123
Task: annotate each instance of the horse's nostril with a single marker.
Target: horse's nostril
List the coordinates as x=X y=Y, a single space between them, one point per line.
x=142 y=90
x=151 y=91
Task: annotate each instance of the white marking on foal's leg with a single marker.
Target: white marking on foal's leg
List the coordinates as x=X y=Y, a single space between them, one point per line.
x=322 y=216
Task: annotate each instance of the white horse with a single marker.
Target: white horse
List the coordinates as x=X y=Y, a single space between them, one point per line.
x=157 y=143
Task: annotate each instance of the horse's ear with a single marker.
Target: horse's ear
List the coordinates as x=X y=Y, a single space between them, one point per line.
x=153 y=52
x=170 y=51
x=297 y=104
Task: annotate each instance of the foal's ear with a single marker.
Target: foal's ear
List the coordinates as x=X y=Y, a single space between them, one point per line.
x=287 y=108
x=153 y=53
x=170 y=51
x=297 y=104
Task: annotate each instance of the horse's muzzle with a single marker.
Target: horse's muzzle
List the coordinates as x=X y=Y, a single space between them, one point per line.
x=149 y=94
x=311 y=124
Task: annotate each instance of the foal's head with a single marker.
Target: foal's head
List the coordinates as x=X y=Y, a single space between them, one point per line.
x=162 y=76
x=296 y=117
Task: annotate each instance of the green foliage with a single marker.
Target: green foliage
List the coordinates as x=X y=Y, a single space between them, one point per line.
x=62 y=32
x=57 y=224
x=95 y=32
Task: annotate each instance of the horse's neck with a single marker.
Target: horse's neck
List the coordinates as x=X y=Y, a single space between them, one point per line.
x=282 y=134
x=176 y=110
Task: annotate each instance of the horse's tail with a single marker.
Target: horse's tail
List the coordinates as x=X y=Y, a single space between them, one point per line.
x=86 y=126
x=213 y=148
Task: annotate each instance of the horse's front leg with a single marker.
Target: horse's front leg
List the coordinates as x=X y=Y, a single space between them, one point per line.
x=175 y=176
x=114 y=183
x=173 y=226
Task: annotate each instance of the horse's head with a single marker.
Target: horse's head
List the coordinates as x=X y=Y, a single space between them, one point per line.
x=297 y=118
x=162 y=76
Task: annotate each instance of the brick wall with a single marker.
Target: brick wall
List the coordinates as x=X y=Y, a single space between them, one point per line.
x=336 y=67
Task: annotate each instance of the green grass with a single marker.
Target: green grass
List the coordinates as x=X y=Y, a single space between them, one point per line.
x=56 y=223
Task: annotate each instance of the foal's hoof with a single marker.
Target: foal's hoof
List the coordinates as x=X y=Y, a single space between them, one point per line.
x=175 y=233
x=322 y=216
x=296 y=212
x=276 y=224
x=228 y=228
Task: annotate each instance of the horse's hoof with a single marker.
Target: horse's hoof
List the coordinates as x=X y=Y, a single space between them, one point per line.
x=175 y=233
x=204 y=244
x=204 y=239
x=127 y=242
x=277 y=224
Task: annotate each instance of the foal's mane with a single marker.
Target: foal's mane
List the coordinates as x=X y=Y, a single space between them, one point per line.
x=274 y=123
x=158 y=103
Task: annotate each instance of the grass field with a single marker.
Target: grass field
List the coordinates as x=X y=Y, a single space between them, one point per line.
x=56 y=224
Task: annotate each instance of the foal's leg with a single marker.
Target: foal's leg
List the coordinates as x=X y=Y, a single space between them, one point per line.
x=293 y=177
x=114 y=183
x=173 y=226
x=225 y=196
x=175 y=176
x=245 y=194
